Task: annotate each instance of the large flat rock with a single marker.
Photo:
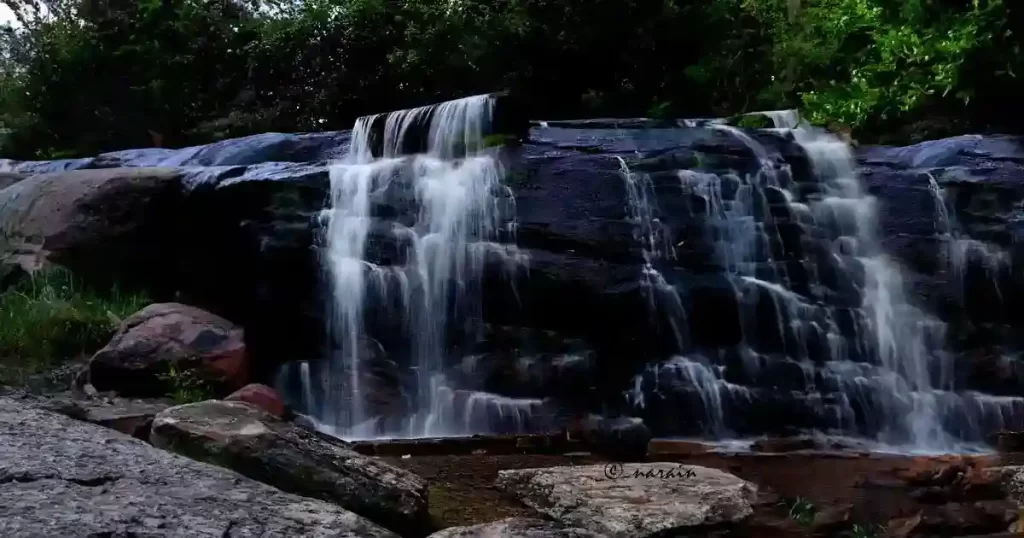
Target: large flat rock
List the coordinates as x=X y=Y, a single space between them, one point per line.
x=61 y=477
x=633 y=500
x=515 y=527
x=246 y=439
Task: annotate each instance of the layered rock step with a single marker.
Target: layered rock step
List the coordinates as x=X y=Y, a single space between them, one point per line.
x=62 y=477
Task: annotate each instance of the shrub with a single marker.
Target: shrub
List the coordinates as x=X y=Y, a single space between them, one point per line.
x=51 y=317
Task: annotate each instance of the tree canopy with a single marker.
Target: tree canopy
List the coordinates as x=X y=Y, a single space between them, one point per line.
x=79 y=77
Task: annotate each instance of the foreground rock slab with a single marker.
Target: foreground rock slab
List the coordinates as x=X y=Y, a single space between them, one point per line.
x=633 y=500
x=131 y=417
x=62 y=477
x=515 y=527
x=170 y=335
x=246 y=439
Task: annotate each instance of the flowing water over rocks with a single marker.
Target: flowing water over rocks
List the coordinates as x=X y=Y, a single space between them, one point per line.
x=428 y=281
x=435 y=279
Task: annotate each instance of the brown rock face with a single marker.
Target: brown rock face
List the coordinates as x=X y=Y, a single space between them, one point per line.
x=170 y=335
x=98 y=221
x=260 y=396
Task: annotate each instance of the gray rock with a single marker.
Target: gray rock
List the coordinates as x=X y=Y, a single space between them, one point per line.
x=62 y=477
x=515 y=527
x=248 y=440
x=10 y=178
x=90 y=220
x=633 y=500
x=131 y=417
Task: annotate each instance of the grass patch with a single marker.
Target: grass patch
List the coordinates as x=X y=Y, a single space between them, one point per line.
x=186 y=386
x=51 y=317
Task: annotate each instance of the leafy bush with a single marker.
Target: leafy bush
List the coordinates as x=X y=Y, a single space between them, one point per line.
x=51 y=317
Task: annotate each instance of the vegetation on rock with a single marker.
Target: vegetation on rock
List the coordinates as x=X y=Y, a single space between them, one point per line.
x=186 y=386
x=51 y=317
x=79 y=77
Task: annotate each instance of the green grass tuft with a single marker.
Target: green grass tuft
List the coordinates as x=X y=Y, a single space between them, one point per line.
x=186 y=386
x=52 y=317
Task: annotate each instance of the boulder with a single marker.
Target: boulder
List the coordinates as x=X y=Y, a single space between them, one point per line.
x=170 y=335
x=63 y=477
x=105 y=222
x=260 y=396
x=620 y=438
x=633 y=500
x=248 y=440
x=515 y=527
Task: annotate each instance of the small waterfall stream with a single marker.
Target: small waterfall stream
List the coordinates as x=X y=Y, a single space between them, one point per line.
x=454 y=209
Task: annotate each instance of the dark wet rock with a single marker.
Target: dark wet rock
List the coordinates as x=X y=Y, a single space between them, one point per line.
x=633 y=500
x=63 y=477
x=241 y=235
x=247 y=440
x=620 y=438
x=515 y=527
x=166 y=336
x=128 y=416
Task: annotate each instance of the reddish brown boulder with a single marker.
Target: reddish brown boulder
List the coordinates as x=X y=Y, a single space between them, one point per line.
x=260 y=396
x=202 y=349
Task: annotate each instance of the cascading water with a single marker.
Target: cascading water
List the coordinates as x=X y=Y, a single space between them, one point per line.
x=818 y=296
x=456 y=208
x=963 y=252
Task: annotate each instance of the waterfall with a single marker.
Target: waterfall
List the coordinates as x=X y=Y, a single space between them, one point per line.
x=819 y=296
x=453 y=208
x=962 y=252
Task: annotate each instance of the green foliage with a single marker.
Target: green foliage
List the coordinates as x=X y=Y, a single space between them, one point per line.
x=802 y=511
x=186 y=386
x=52 y=317
x=82 y=76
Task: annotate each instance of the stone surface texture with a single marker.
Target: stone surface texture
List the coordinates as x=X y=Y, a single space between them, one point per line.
x=252 y=442
x=633 y=500
x=63 y=478
x=515 y=527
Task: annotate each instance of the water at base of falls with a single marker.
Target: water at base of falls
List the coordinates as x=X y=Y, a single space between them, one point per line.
x=872 y=364
x=453 y=209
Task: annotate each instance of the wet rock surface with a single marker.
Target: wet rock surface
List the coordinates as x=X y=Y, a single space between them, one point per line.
x=62 y=477
x=170 y=336
x=634 y=500
x=515 y=527
x=245 y=439
x=238 y=229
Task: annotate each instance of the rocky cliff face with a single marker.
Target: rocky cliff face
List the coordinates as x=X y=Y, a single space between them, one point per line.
x=713 y=281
